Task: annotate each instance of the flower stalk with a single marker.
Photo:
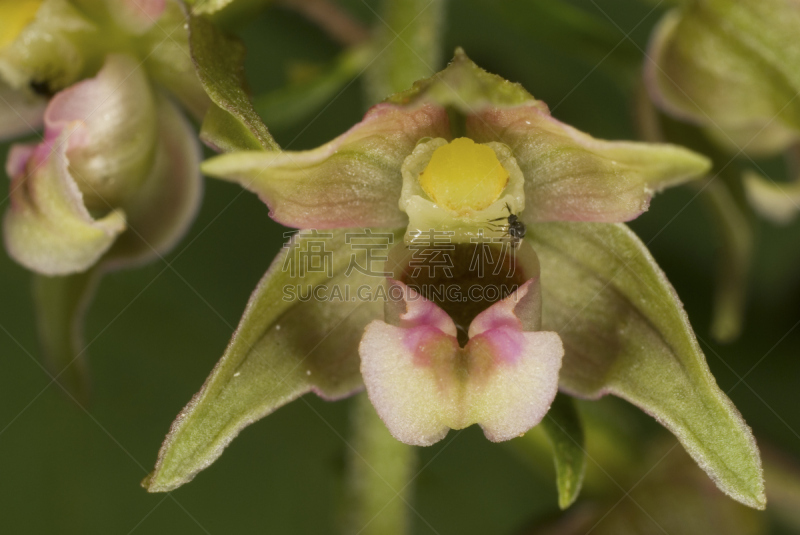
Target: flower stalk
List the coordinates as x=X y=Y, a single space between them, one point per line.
x=407 y=44
x=379 y=476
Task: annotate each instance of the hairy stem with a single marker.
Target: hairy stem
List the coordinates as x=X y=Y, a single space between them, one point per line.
x=407 y=45
x=379 y=472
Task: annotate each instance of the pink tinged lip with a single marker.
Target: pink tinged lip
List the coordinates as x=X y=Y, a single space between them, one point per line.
x=505 y=344
x=422 y=383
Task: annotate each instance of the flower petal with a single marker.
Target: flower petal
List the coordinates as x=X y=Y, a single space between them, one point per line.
x=626 y=333
x=405 y=392
x=571 y=176
x=47 y=228
x=163 y=208
x=113 y=128
x=354 y=180
x=422 y=383
x=280 y=351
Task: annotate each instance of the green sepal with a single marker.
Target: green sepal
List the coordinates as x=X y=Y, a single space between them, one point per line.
x=625 y=333
x=219 y=61
x=565 y=431
x=280 y=351
x=466 y=87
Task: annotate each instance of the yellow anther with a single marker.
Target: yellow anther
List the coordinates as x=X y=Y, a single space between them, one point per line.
x=464 y=176
x=14 y=16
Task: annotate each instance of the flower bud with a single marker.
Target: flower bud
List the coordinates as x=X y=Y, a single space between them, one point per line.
x=101 y=169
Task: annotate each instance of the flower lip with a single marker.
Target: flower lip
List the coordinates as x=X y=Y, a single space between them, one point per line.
x=422 y=382
x=466 y=280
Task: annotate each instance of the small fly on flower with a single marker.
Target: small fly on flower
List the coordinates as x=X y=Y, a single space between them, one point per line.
x=514 y=227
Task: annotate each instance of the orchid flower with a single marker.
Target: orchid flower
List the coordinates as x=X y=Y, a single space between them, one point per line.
x=114 y=180
x=587 y=311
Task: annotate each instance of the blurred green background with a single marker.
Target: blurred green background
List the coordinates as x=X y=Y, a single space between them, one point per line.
x=156 y=332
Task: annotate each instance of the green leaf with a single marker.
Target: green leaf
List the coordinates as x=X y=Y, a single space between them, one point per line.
x=625 y=333
x=61 y=304
x=220 y=65
x=286 y=106
x=565 y=431
x=284 y=347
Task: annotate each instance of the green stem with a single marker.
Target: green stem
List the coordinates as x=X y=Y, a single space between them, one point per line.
x=379 y=472
x=61 y=304
x=407 y=44
x=379 y=469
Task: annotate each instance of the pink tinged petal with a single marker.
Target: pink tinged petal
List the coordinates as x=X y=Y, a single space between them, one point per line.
x=98 y=149
x=168 y=200
x=571 y=176
x=518 y=394
x=525 y=302
x=114 y=127
x=47 y=228
x=18 y=158
x=422 y=383
x=354 y=180
x=137 y=16
x=419 y=312
x=397 y=366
